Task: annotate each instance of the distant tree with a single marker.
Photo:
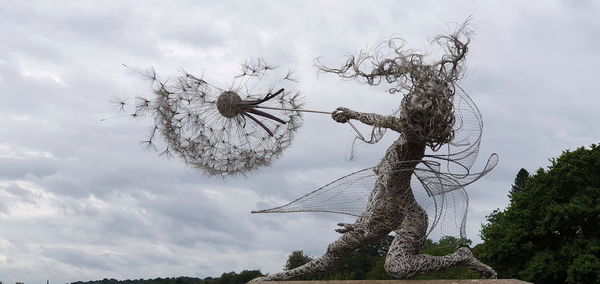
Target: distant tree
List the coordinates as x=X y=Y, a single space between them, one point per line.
x=296 y=259
x=242 y=278
x=364 y=263
x=519 y=184
x=226 y=278
x=550 y=232
x=444 y=246
x=247 y=275
x=379 y=248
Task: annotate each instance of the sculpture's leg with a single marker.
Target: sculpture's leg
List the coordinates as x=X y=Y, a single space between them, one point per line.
x=336 y=251
x=403 y=260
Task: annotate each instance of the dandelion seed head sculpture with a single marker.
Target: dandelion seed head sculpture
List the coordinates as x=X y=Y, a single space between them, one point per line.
x=223 y=131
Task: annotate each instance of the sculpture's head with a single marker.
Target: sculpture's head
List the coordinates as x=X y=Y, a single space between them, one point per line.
x=426 y=110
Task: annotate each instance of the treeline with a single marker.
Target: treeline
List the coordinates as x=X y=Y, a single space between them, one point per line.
x=550 y=232
x=365 y=263
x=225 y=278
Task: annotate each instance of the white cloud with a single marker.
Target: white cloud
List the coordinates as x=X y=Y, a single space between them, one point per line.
x=19 y=153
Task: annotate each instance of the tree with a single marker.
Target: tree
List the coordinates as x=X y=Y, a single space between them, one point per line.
x=296 y=259
x=550 y=232
x=520 y=180
x=247 y=275
x=242 y=278
x=447 y=245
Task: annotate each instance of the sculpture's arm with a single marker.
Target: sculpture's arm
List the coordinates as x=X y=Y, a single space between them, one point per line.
x=343 y=115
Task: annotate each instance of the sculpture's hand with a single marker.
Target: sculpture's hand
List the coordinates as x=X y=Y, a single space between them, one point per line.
x=345 y=228
x=342 y=114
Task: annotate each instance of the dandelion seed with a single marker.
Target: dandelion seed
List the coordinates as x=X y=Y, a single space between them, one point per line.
x=210 y=127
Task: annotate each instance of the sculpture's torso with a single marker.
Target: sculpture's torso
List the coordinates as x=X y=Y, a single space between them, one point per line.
x=392 y=195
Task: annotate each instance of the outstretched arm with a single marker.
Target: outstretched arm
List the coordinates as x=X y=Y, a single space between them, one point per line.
x=343 y=115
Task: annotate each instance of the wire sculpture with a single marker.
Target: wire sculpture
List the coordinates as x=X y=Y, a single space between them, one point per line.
x=412 y=191
x=418 y=188
x=222 y=131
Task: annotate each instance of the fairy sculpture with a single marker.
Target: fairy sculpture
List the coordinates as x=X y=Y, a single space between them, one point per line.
x=435 y=113
x=416 y=191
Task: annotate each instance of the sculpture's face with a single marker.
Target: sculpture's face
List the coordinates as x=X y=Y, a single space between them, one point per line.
x=427 y=112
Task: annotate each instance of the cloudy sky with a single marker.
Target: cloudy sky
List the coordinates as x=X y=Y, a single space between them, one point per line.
x=80 y=199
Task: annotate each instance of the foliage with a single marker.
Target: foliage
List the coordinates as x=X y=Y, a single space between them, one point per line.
x=364 y=263
x=549 y=233
x=444 y=246
x=234 y=278
x=226 y=278
x=297 y=258
x=368 y=262
x=519 y=184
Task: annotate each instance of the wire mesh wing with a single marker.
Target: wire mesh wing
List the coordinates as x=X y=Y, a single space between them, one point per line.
x=461 y=153
x=442 y=195
x=438 y=181
x=346 y=195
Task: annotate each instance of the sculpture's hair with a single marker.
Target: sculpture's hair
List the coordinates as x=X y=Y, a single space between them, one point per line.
x=427 y=88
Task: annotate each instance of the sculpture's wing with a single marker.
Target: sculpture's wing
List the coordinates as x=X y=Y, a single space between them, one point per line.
x=447 y=213
x=436 y=180
x=444 y=198
x=459 y=155
x=346 y=195
x=438 y=184
x=442 y=195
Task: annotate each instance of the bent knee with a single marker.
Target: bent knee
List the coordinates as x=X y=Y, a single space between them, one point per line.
x=398 y=268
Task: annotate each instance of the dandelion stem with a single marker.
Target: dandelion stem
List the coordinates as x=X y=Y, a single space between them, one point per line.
x=295 y=109
x=314 y=111
x=120 y=116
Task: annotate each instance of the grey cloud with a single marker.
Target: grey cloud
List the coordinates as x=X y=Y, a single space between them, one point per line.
x=21 y=168
x=531 y=73
x=75 y=257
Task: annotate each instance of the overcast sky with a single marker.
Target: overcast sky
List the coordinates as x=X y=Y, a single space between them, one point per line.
x=80 y=199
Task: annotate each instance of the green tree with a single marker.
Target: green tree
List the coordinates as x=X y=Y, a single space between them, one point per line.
x=242 y=278
x=364 y=263
x=247 y=275
x=550 y=232
x=519 y=184
x=444 y=246
x=296 y=259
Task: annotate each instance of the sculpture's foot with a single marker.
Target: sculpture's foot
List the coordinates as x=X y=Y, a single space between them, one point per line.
x=258 y=279
x=473 y=263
